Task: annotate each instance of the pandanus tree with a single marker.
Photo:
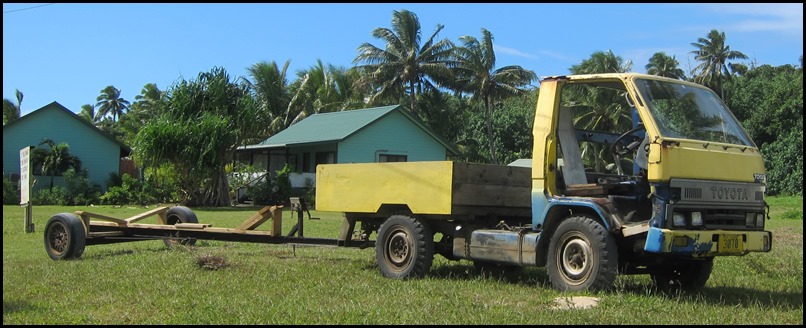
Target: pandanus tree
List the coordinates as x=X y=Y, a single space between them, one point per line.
x=197 y=131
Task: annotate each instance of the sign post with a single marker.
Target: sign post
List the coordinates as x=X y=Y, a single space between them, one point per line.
x=25 y=187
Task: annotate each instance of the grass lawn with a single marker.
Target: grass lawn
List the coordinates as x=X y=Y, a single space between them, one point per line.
x=146 y=283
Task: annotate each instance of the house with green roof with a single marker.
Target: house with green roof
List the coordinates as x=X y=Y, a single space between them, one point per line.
x=380 y=134
x=99 y=153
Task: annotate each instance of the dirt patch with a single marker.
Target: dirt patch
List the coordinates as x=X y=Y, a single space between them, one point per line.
x=575 y=302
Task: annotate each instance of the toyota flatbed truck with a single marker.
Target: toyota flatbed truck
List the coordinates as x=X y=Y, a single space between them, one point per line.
x=681 y=184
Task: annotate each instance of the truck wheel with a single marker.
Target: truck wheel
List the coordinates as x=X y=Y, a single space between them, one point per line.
x=582 y=255
x=65 y=237
x=180 y=214
x=405 y=248
x=688 y=275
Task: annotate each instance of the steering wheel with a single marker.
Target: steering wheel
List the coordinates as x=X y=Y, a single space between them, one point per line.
x=618 y=149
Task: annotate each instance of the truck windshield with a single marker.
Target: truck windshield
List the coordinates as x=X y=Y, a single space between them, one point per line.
x=687 y=112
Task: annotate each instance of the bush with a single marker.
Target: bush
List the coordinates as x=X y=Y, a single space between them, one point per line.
x=78 y=191
x=783 y=160
x=11 y=192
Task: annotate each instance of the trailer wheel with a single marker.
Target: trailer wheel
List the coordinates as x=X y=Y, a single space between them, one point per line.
x=180 y=214
x=684 y=275
x=582 y=255
x=65 y=237
x=405 y=248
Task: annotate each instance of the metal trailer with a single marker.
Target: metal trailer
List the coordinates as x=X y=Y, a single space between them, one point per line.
x=67 y=234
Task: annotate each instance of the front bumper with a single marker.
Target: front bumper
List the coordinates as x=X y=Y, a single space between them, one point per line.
x=706 y=243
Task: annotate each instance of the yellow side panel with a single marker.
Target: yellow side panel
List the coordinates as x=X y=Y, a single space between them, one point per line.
x=363 y=187
x=694 y=161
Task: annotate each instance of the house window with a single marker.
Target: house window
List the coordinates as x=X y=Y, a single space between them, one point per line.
x=382 y=158
x=326 y=157
x=306 y=162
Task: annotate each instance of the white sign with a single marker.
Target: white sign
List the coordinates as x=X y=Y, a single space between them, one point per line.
x=25 y=175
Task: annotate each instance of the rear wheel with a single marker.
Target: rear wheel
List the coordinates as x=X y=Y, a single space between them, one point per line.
x=405 y=248
x=582 y=255
x=180 y=214
x=65 y=237
x=683 y=275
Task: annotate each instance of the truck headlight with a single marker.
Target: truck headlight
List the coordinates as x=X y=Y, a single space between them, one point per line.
x=678 y=219
x=750 y=219
x=696 y=218
x=760 y=220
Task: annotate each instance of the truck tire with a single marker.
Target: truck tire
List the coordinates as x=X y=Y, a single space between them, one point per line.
x=65 y=237
x=683 y=275
x=405 y=248
x=582 y=256
x=180 y=214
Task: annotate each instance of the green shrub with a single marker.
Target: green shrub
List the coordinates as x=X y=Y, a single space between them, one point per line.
x=78 y=191
x=783 y=160
x=11 y=192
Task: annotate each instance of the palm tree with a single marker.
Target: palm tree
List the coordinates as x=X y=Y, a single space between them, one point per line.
x=599 y=108
x=323 y=89
x=272 y=92
x=662 y=65
x=88 y=114
x=110 y=102
x=55 y=159
x=714 y=56
x=475 y=73
x=602 y=62
x=11 y=111
x=405 y=65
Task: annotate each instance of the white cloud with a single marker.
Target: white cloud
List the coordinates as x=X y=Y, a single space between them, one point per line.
x=773 y=17
x=514 y=52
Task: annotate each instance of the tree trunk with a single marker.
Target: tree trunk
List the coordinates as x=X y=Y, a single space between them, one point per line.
x=489 y=118
x=413 y=99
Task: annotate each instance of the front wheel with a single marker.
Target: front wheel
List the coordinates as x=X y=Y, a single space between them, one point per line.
x=582 y=256
x=405 y=248
x=683 y=275
x=65 y=237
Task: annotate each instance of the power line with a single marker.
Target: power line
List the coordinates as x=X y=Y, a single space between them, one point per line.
x=11 y=11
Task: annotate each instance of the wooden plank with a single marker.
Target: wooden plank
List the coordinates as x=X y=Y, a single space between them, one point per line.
x=492 y=195
x=105 y=234
x=589 y=189
x=101 y=217
x=257 y=219
x=192 y=225
x=277 y=220
x=144 y=215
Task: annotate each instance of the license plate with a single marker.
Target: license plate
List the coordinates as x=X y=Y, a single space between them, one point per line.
x=731 y=244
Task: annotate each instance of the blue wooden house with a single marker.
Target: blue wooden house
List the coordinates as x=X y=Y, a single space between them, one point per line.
x=99 y=153
x=380 y=134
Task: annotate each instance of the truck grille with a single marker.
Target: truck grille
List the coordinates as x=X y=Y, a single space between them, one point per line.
x=724 y=219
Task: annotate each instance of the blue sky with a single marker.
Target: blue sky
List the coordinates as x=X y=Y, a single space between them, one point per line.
x=69 y=52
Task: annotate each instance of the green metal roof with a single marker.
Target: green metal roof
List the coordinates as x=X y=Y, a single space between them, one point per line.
x=335 y=127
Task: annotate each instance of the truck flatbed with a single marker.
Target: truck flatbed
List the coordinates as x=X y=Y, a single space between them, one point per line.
x=440 y=188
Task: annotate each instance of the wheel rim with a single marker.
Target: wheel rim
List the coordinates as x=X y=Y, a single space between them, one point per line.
x=398 y=249
x=575 y=259
x=58 y=238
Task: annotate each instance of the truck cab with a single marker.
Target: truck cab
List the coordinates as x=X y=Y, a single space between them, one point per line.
x=661 y=164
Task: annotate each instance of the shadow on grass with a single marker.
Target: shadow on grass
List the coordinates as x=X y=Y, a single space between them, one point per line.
x=724 y=295
x=10 y=307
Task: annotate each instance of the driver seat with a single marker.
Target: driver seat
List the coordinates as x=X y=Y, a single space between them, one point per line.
x=573 y=170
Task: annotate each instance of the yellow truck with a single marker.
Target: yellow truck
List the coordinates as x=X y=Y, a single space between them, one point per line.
x=663 y=194
x=631 y=174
